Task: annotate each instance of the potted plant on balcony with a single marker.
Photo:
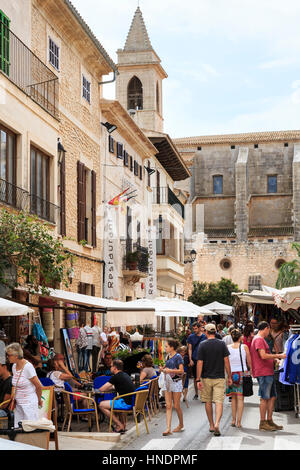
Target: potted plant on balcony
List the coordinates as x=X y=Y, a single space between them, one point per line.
x=132 y=260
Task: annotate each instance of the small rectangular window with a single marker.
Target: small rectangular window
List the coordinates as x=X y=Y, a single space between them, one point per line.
x=136 y=168
x=126 y=157
x=86 y=89
x=256 y=146
x=141 y=172
x=53 y=54
x=199 y=148
x=232 y=147
x=286 y=144
x=218 y=184
x=120 y=151
x=131 y=163
x=272 y=184
x=111 y=144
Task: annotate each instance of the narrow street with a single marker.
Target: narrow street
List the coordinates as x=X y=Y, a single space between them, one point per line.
x=197 y=437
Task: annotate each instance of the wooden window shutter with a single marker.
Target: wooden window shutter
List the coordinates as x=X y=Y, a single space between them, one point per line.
x=141 y=171
x=63 y=197
x=93 y=290
x=94 y=204
x=81 y=196
x=131 y=164
x=81 y=288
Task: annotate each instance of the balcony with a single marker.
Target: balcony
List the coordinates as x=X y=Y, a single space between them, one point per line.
x=23 y=68
x=135 y=263
x=12 y=195
x=43 y=209
x=164 y=195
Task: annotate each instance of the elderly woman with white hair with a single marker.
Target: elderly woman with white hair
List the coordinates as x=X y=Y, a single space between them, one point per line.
x=28 y=388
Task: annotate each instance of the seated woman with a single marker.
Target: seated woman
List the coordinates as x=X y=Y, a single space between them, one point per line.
x=148 y=371
x=59 y=378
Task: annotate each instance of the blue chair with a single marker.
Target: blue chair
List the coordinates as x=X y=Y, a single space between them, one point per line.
x=72 y=410
x=46 y=382
x=137 y=408
x=98 y=383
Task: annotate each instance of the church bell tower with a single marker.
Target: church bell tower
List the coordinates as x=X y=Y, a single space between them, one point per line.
x=139 y=83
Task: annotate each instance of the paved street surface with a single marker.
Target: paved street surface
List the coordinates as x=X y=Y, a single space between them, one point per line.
x=197 y=436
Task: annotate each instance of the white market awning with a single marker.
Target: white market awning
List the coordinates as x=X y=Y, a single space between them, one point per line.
x=130 y=317
x=218 y=308
x=288 y=298
x=171 y=307
x=12 y=309
x=255 y=297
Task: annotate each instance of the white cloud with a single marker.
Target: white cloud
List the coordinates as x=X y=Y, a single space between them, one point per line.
x=279 y=63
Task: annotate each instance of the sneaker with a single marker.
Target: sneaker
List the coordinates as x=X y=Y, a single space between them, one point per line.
x=271 y=422
x=195 y=397
x=265 y=426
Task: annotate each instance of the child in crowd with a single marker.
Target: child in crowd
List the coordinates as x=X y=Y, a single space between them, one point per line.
x=183 y=351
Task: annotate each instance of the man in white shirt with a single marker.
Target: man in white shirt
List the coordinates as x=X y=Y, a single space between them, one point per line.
x=228 y=339
x=89 y=348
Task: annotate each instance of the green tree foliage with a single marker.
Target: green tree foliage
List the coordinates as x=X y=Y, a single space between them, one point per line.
x=289 y=273
x=29 y=248
x=205 y=293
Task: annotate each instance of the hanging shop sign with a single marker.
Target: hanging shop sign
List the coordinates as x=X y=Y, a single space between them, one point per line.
x=151 y=281
x=111 y=251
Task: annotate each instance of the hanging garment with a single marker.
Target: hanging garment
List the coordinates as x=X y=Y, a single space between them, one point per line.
x=291 y=371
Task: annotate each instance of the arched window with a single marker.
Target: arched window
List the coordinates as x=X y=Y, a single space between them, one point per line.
x=135 y=94
x=157 y=98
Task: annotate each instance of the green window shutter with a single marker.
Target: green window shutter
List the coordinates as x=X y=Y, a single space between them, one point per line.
x=4 y=43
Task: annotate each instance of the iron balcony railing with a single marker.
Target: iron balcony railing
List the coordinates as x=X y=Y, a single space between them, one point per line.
x=142 y=256
x=164 y=195
x=43 y=208
x=22 y=67
x=13 y=195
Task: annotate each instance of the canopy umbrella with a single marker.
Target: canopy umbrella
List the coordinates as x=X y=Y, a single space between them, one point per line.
x=255 y=297
x=167 y=307
x=13 y=309
x=220 y=309
x=288 y=298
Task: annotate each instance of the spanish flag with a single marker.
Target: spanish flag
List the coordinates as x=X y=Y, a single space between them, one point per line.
x=117 y=199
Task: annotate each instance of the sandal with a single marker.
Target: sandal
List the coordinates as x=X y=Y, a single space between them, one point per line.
x=179 y=429
x=167 y=433
x=217 y=432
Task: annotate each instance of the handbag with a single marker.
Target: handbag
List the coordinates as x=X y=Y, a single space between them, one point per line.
x=247 y=380
x=12 y=403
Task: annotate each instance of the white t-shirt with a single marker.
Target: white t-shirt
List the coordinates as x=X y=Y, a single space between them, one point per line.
x=96 y=336
x=89 y=333
x=104 y=337
x=227 y=340
x=235 y=359
x=55 y=377
x=25 y=391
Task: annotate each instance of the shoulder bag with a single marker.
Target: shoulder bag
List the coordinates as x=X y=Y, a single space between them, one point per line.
x=12 y=404
x=247 y=380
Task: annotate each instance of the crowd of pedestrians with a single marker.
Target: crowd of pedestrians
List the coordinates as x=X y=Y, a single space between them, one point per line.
x=220 y=358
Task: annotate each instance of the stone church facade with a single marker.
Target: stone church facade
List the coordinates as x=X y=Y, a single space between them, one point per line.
x=244 y=193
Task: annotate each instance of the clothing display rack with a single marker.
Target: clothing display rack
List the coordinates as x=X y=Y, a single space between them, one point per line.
x=295 y=329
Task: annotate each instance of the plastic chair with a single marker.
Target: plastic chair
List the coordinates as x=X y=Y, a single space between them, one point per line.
x=46 y=382
x=4 y=419
x=98 y=383
x=71 y=409
x=137 y=408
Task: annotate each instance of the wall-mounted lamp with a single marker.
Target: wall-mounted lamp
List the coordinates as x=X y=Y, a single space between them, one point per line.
x=109 y=127
x=150 y=171
x=60 y=151
x=192 y=258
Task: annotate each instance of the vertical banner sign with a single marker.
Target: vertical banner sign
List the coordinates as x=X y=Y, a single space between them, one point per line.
x=151 y=284
x=111 y=253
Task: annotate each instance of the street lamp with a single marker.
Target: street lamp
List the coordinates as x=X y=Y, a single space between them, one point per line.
x=192 y=258
x=109 y=127
x=60 y=151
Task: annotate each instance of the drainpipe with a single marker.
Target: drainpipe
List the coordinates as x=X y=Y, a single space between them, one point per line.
x=110 y=81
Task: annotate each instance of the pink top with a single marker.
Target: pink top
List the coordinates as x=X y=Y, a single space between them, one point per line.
x=247 y=342
x=260 y=367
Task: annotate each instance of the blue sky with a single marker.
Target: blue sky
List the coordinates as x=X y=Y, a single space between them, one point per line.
x=233 y=65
